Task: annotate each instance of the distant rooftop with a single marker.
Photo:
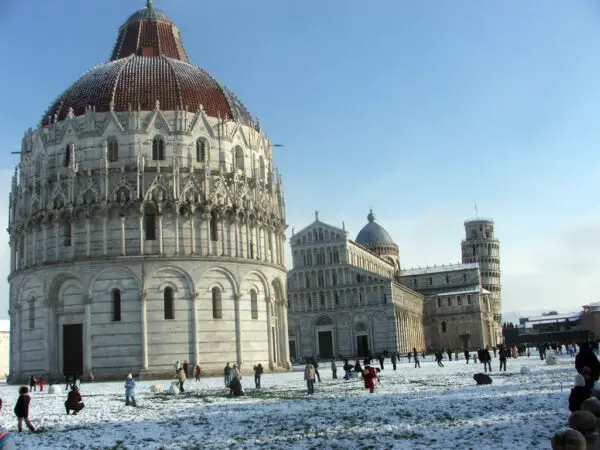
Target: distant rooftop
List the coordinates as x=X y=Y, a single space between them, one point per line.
x=465 y=290
x=437 y=269
x=550 y=318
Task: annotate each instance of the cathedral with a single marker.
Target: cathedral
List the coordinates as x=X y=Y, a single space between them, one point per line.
x=146 y=223
x=352 y=297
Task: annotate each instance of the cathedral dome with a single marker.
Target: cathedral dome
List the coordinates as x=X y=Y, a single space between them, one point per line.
x=149 y=67
x=373 y=235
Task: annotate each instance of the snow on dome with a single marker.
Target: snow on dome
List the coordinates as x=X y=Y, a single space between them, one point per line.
x=149 y=66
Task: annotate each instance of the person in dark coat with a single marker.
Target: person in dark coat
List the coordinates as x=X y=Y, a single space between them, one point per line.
x=258 y=371
x=394 y=360
x=579 y=394
x=381 y=360
x=358 y=367
x=22 y=409
x=186 y=368
x=316 y=365
x=587 y=358
x=74 y=402
x=235 y=387
x=416 y=357
x=502 y=353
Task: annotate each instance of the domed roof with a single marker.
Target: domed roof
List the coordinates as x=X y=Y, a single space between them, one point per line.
x=373 y=235
x=149 y=66
x=148 y=13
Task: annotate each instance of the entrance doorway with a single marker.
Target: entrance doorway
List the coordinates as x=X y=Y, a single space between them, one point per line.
x=362 y=345
x=293 y=350
x=73 y=349
x=325 y=345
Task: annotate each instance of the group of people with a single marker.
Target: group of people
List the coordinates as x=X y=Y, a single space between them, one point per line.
x=588 y=373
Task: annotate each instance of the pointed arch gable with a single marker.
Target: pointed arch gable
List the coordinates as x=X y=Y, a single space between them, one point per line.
x=166 y=284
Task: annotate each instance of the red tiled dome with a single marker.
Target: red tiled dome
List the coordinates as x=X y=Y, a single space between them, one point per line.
x=148 y=64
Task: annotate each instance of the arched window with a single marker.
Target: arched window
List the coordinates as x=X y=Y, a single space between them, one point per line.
x=200 y=150
x=239 y=158
x=32 y=314
x=116 y=305
x=169 y=306
x=261 y=168
x=150 y=225
x=322 y=298
x=254 y=304
x=158 y=149
x=214 y=235
x=113 y=150
x=68 y=155
x=443 y=327
x=216 y=303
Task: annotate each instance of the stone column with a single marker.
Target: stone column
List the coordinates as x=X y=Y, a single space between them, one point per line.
x=270 y=333
x=238 y=329
x=195 y=345
x=25 y=232
x=123 y=235
x=244 y=246
x=144 y=331
x=88 y=237
x=177 y=232
x=272 y=245
x=87 y=335
x=50 y=342
x=45 y=242
x=206 y=223
x=105 y=235
x=286 y=337
x=34 y=239
x=222 y=234
x=160 y=234
x=193 y=231
x=142 y=237
x=56 y=240
x=236 y=235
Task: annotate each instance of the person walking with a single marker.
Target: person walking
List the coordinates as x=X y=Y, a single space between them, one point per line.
x=186 y=368
x=258 y=371
x=227 y=375
x=416 y=355
x=467 y=356
x=487 y=359
x=22 y=409
x=316 y=367
x=197 y=372
x=309 y=376
x=369 y=378
x=41 y=384
x=130 y=391
x=334 y=369
x=394 y=360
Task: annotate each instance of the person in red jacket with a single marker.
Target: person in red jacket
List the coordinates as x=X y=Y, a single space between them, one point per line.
x=369 y=376
x=41 y=383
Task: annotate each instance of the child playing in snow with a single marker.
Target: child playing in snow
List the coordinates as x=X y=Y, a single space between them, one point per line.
x=370 y=375
x=579 y=394
x=130 y=390
x=22 y=409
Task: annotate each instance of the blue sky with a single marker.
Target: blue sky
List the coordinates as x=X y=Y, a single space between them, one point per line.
x=417 y=109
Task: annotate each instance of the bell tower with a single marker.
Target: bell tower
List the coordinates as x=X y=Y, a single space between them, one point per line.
x=481 y=246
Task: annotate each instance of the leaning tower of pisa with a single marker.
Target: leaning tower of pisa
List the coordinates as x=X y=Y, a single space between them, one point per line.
x=481 y=246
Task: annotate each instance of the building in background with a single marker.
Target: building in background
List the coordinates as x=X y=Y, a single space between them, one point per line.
x=351 y=297
x=146 y=222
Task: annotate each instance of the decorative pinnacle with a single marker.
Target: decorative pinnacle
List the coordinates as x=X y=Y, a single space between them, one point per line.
x=149 y=4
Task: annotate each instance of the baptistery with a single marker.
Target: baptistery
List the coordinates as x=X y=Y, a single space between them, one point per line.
x=146 y=223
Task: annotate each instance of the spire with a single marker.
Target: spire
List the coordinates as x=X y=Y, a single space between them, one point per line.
x=149 y=4
x=317 y=216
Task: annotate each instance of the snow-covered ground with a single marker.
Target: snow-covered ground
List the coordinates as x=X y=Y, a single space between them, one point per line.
x=422 y=408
